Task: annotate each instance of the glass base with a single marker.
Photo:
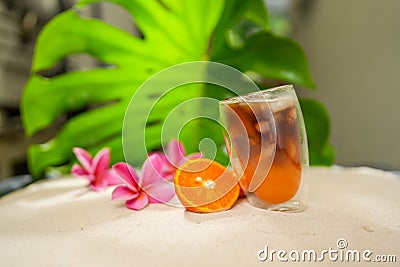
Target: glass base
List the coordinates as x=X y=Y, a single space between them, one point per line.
x=292 y=205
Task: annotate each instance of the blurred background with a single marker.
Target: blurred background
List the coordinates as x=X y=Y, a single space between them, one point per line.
x=352 y=49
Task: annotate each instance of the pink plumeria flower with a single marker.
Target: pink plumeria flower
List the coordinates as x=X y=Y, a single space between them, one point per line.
x=175 y=157
x=96 y=170
x=150 y=187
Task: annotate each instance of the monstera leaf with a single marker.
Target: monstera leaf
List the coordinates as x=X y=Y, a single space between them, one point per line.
x=233 y=32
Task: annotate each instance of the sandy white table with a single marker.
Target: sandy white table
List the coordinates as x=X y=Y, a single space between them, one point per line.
x=61 y=223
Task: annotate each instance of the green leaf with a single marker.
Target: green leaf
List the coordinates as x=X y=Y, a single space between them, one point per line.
x=317 y=123
x=69 y=34
x=175 y=31
x=235 y=11
x=185 y=36
x=50 y=98
x=272 y=56
x=85 y=130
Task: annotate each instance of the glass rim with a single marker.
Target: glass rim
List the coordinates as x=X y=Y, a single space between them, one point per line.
x=266 y=94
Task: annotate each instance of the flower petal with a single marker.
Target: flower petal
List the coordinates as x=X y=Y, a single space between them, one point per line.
x=152 y=170
x=78 y=170
x=167 y=167
x=160 y=192
x=98 y=184
x=123 y=192
x=84 y=158
x=170 y=176
x=138 y=203
x=112 y=177
x=101 y=161
x=127 y=174
x=176 y=152
x=191 y=156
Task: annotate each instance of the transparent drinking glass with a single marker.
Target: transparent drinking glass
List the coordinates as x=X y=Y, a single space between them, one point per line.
x=267 y=144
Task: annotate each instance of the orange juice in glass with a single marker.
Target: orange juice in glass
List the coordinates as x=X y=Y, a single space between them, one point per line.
x=267 y=144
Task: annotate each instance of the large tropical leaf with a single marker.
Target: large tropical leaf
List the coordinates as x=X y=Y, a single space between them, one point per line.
x=318 y=125
x=234 y=32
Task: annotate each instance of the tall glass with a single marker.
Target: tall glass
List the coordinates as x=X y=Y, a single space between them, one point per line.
x=267 y=144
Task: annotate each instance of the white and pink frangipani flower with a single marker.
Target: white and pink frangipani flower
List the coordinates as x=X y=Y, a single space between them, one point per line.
x=96 y=170
x=149 y=187
x=174 y=157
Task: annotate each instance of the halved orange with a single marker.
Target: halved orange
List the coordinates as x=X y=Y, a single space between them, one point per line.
x=204 y=186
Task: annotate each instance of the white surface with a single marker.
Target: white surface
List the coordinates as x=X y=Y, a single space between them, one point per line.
x=61 y=223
